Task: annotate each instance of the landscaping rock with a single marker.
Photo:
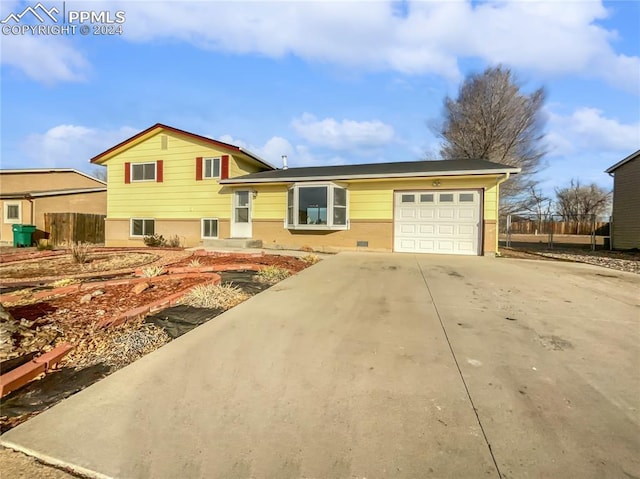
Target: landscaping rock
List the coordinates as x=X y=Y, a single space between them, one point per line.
x=97 y=292
x=85 y=299
x=140 y=287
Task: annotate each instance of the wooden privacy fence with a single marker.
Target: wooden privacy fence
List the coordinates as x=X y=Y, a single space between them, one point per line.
x=67 y=228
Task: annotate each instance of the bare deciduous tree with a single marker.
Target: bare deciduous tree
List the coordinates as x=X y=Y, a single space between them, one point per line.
x=537 y=203
x=100 y=173
x=576 y=201
x=492 y=119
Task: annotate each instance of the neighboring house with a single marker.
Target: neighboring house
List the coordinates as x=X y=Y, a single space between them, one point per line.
x=625 y=228
x=27 y=194
x=168 y=181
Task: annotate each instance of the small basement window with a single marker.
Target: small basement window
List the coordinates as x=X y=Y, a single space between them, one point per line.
x=12 y=212
x=317 y=206
x=143 y=226
x=210 y=228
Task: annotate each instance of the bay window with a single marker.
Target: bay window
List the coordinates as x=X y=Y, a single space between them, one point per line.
x=317 y=206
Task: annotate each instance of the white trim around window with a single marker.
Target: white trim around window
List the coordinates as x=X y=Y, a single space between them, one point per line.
x=145 y=227
x=211 y=167
x=13 y=212
x=317 y=206
x=144 y=172
x=209 y=228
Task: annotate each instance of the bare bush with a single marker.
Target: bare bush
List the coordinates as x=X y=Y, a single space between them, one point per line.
x=222 y=296
x=272 y=274
x=80 y=252
x=152 y=271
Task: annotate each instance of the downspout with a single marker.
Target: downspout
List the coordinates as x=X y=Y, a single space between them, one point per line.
x=507 y=175
x=32 y=206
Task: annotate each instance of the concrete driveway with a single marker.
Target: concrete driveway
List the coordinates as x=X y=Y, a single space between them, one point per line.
x=376 y=366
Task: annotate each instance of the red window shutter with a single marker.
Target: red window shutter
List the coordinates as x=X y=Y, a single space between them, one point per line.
x=198 y=168
x=127 y=172
x=224 y=167
x=159 y=172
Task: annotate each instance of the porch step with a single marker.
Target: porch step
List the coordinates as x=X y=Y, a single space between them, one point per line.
x=232 y=243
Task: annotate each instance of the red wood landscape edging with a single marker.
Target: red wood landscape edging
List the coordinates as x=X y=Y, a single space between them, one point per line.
x=159 y=304
x=18 y=377
x=13 y=298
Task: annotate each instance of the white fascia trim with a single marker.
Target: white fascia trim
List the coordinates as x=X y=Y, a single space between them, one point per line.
x=366 y=177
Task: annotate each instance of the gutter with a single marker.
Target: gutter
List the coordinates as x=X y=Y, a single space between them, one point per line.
x=507 y=175
x=415 y=174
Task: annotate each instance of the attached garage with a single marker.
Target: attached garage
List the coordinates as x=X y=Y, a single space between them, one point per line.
x=442 y=221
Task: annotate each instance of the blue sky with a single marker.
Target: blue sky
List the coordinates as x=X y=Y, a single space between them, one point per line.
x=324 y=82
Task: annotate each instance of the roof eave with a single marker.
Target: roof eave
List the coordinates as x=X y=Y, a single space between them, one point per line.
x=108 y=154
x=421 y=174
x=632 y=156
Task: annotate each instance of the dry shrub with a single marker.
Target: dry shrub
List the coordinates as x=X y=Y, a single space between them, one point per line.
x=152 y=271
x=44 y=245
x=80 y=252
x=222 y=296
x=59 y=283
x=174 y=242
x=194 y=263
x=310 y=259
x=117 y=346
x=272 y=274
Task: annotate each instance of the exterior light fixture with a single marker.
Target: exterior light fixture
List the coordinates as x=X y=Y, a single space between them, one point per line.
x=436 y=183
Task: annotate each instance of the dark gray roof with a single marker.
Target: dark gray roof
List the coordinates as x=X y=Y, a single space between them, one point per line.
x=377 y=170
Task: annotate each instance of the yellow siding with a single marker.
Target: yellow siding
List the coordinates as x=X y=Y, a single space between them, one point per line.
x=179 y=195
x=271 y=202
x=373 y=199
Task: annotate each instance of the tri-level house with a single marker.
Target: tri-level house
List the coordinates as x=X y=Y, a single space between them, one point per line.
x=168 y=181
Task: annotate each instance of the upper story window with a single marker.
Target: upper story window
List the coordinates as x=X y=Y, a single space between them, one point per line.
x=211 y=167
x=317 y=206
x=143 y=171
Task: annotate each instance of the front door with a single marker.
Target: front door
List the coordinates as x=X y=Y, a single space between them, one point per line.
x=241 y=215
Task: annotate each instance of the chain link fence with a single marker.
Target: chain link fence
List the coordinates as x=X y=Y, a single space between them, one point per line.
x=554 y=230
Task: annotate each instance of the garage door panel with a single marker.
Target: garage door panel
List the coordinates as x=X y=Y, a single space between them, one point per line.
x=467 y=213
x=427 y=229
x=466 y=230
x=446 y=230
x=437 y=222
x=408 y=213
x=446 y=213
x=408 y=228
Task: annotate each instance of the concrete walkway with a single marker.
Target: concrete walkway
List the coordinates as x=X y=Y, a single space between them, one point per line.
x=378 y=365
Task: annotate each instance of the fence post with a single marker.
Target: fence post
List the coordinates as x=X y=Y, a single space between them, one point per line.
x=508 y=231
x=552 y=226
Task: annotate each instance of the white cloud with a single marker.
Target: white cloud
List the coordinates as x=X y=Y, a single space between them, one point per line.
x=552 y=38
x=588 y=130
x=72 y=146
x=343 y=135
x=45 y=59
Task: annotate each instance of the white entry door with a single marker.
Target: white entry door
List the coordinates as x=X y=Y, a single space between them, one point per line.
x=241 y=215
x=443 y=222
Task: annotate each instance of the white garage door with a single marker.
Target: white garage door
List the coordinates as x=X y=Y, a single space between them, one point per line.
x=444 y=222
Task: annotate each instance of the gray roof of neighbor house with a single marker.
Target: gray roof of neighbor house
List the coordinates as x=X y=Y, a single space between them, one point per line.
x=632 y=156
x=405 y=169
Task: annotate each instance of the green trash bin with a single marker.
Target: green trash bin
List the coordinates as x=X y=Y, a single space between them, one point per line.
x=22 y=235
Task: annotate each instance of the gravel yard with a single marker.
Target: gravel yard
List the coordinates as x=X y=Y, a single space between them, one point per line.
x=617 y=260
